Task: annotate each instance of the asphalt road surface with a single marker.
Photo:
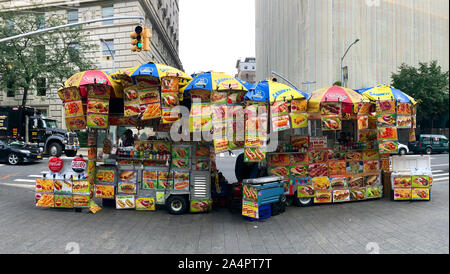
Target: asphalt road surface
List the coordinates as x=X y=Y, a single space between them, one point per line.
x=362 y=227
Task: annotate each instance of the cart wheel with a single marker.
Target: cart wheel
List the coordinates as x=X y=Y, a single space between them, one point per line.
x=296 y=200
x=176 y=205
x=282 y=203
x=304 y=202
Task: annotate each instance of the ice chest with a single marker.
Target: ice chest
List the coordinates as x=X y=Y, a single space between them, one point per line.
x=264 y=191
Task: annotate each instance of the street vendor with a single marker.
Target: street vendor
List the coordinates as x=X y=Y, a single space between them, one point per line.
x=128 y=139
x=245 y=170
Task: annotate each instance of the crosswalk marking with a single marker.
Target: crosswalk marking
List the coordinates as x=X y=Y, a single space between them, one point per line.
x=19 y=185
x=440 y=165
x=440 y=179
x=2 y=164
x=436 y=171
x=35 y=176
x=25 y=180
x=440 y=175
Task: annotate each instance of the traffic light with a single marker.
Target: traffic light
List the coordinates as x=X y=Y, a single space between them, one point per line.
x=146 y=35
x=137 y=39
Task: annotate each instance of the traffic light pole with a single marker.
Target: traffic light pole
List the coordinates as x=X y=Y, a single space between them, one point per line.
x=69 y=25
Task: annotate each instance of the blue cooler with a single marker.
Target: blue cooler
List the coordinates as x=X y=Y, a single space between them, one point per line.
x=269 y=189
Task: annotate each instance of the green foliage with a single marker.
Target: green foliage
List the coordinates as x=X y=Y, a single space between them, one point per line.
x=429 y=85
x=337 y=83
x=54 y=56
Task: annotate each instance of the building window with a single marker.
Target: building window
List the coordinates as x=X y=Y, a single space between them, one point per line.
x=106 y=13
x=245 y=67
x=40 y=53
x=316 y=127
x=40 y=21
x=41 y=84
x=10 y=91
x=73 y=52
x=246 y=76
x=72 y=16
x=108 y=49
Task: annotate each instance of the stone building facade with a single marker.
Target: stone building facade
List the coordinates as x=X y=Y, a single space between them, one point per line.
x=246 y=70
x=304 y=40
x=161 y=16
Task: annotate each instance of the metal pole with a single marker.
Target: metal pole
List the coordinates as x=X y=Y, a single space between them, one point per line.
x=69 y=25
x=277 y=74
x=308 y=83
x=342 y=59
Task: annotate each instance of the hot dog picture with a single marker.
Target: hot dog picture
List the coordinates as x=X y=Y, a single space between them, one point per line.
x=305 y=191
x=370 y=155
x=330 y=108
x=386 y=119
x=180 y=163
x=279 y=171
x=300 y=171
x=299 y=141
x=388 y=146
x=299 y=120
x=145 y=203
x=200 y=206
x=318 y=170
x=254 y=154
x=420 y=181
x=280 y=122
x=97 y=121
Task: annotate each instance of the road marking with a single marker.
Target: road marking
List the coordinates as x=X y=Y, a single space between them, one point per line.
x=440 y=175
x=436 y=171
x=25 y=180
x=2 y=164
x=441 y=165
x=19 y=185
x=440 y=179
x=35 y=176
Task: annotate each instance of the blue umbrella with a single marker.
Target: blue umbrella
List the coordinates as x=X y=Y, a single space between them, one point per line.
x=271 y=91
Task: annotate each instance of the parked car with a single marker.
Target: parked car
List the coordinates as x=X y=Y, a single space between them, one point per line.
x=402 y=149
x=19 y=152
x=429 y=143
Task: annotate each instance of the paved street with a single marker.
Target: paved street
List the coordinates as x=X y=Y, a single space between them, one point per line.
x=362 y=227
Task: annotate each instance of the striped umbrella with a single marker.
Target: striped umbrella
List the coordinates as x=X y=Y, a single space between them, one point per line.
x=346 y=96
x=386 y=92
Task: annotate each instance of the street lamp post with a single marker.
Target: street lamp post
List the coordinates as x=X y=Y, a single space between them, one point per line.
x=342 y=60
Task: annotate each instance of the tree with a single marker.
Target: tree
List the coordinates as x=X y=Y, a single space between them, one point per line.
x=429 y=85
x=39 y=61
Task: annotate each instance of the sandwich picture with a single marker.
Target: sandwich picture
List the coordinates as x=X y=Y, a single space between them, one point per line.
x=322 y=197
x=148 y=96
x=131 y=93
x=81 y=200
x=221 y=144
x=341 y=195
x=127 y=175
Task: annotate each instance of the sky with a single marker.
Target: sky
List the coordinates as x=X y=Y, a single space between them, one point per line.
x=214 y=34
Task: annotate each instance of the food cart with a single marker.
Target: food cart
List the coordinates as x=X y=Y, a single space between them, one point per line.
x=329 y=147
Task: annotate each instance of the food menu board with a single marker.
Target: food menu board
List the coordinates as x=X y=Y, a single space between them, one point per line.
x=170 y=98
x=61 y=192
x=329 y=176
x=256 y=121
x=407 y=187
